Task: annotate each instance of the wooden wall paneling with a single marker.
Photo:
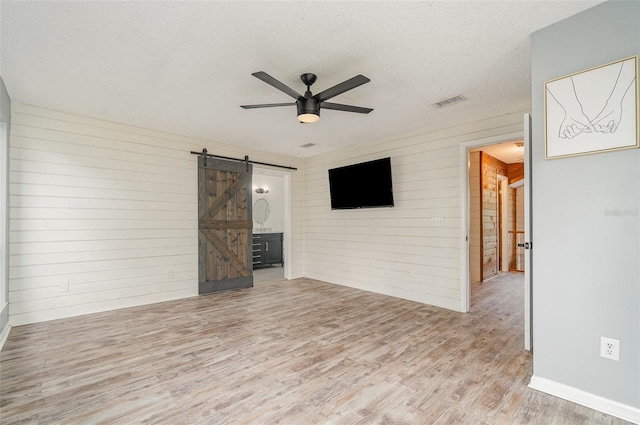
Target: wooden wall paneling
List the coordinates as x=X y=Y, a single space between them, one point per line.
x=515 y=172
x=491 y=167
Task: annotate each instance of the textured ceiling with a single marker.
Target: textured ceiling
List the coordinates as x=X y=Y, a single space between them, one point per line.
x=185 y=67
x=509 y=153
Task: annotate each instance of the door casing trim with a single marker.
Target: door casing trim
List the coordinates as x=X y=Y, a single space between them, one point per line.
x=465 y=288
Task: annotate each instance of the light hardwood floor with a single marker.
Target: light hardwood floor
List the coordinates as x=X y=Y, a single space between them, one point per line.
x=287 y=352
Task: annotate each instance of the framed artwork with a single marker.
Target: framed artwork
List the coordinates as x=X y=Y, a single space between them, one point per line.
x=593 y=111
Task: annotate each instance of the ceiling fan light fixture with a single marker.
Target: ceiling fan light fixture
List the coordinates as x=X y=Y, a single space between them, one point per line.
x=308 y=110
x=308 y=118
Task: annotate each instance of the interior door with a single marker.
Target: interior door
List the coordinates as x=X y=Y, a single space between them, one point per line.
x=528 y=244
x=224 y=225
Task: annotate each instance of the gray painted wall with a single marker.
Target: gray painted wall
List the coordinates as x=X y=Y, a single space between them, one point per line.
x=5 y=104
x=5 y=117
x=586 y=261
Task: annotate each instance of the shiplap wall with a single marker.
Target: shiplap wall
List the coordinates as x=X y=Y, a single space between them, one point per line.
x=396 y=251
x=100 y=212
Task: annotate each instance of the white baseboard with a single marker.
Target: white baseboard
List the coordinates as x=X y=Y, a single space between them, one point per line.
x=4 y=336
x=592 y=401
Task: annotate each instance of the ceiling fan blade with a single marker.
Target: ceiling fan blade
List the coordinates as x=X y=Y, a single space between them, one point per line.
x=348 y=108
x=266 y=105
x=351 y=83
x=277 y=84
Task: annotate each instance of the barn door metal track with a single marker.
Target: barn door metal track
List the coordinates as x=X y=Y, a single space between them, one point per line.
x=246 y=160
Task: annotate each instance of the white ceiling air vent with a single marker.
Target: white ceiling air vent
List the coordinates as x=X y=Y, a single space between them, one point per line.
x=308 y=145
x=450 y=101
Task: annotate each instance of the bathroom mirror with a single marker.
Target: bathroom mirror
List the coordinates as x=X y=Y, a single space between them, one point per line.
x=261 y=211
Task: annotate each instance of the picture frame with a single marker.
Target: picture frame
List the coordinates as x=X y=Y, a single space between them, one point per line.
x=593 y=111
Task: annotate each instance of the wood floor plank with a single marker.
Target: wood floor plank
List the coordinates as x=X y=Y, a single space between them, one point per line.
x=285 y=352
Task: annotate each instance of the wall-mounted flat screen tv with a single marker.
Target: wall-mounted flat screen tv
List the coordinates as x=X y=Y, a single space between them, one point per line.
x=364 y=185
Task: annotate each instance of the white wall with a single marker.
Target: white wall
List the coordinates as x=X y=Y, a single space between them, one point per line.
x=396 y=251
x=586 y=261
x=109 y=209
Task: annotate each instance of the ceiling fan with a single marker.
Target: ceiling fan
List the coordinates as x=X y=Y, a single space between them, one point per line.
x=309 y=104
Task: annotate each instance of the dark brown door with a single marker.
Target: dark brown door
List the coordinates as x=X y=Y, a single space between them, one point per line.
x=225 y=225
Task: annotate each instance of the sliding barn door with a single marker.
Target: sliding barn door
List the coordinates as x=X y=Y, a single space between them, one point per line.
x=225 y=225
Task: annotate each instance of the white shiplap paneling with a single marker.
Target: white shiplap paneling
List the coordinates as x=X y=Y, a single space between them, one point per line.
x=396 y=251
x=100 y=212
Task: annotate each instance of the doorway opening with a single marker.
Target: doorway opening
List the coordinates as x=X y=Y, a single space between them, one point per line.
x=271 y=225
x=492 y=180
x=496 y=215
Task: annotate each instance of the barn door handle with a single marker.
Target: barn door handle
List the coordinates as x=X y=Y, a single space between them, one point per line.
x=267 y=246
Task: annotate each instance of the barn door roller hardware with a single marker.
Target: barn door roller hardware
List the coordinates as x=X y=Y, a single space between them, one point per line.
x=246 y=160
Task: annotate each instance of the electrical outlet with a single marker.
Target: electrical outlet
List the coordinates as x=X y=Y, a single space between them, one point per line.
x=169 y=274
x=610 y=348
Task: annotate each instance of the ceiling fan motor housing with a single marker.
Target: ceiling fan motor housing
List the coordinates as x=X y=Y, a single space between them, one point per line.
x=308 y=105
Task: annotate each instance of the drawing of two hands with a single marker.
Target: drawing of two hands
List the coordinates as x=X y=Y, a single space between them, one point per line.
x=576 y=122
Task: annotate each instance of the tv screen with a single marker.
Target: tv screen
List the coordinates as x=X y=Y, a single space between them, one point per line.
x=364 y=185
